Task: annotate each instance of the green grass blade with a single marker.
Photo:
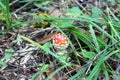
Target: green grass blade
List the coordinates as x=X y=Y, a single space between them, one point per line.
x=94 y=38
x=105 y=72
x=95 y=70
x=98 y=66
x=83 y=37
x=2 y=6
x=7 y=14
x=103 y=31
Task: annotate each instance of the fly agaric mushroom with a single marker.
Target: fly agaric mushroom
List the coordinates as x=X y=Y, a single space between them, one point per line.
x=60 y=43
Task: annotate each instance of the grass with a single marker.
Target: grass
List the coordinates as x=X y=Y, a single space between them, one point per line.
x=4 y=5
x=95 y=50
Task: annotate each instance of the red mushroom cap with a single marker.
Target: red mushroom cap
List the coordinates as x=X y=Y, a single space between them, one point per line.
x=60 y=42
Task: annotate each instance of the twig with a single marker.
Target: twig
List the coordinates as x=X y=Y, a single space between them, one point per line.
x=13 y=2
x=23 y=6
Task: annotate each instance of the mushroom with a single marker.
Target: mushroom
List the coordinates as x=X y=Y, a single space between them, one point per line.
x=60 y=43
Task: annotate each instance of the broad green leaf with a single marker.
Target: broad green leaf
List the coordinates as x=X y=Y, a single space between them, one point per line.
x=75 y=11
x=96 y=13
x=87 y=54
x=8 y=53
x=65 y=24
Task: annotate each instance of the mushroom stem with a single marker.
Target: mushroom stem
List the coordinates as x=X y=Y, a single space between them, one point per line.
x=62 y=52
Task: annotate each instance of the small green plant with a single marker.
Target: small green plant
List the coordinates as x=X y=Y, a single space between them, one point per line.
x=8 y=55
x=4 y=6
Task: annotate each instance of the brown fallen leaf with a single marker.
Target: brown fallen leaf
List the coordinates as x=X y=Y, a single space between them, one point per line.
x=55 y=12
x=51 y=70
x=46 y=38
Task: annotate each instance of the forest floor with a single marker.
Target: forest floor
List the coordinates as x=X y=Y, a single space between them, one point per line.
x=92 y=29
